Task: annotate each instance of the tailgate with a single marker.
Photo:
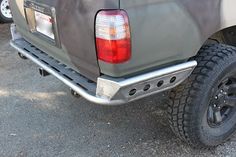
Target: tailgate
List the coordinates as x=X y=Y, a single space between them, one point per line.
x=75 y=44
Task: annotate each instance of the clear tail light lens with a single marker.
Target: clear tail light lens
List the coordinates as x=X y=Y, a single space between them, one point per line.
x=113 y=40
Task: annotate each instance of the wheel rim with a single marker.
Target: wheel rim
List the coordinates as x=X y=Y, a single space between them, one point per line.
x=223 y=103
x=5 y=9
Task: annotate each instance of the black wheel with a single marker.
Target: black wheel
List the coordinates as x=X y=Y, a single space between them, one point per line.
x=5 y=12
x=202 y=109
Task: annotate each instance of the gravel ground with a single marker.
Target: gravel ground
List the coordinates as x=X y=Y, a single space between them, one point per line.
x=39 y=117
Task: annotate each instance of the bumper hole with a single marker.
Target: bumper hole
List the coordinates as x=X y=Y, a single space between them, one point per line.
x=160 y=83
x=147 y=87
x=132 y=92
x=90 y=81
x=173 y=79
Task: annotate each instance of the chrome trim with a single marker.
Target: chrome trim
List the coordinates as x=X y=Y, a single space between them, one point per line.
x=112 y=91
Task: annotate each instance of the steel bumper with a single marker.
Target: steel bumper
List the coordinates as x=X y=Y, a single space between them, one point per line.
x=108 y=90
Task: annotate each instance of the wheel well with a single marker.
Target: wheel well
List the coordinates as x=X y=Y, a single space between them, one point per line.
x=225 y=36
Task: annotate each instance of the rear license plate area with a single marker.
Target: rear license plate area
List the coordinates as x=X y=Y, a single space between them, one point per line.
x=43 y=24
x=41 y=20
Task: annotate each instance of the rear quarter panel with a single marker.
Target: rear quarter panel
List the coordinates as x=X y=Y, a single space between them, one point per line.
x=168 y=31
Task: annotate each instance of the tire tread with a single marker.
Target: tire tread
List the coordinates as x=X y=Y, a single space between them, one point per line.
x=180 y=108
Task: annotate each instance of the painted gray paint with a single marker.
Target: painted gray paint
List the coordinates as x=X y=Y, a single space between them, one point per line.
x=76 y=31
x=163 y=32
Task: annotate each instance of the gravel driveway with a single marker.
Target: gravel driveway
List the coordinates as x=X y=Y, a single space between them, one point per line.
x=39 y=117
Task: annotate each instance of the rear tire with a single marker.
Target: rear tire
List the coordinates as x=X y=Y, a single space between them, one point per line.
x=197 y=110
x=5 y=12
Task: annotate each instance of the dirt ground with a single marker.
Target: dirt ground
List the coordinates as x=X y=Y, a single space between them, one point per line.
x=39 y=118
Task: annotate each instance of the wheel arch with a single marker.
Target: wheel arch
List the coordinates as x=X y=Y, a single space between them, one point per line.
x=225 y=32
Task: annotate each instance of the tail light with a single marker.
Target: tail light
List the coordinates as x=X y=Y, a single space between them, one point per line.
x=113 y=36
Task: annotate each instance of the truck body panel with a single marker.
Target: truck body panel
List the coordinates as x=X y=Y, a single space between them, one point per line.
x=75 y=20
x=163 y=33
x=167 y=31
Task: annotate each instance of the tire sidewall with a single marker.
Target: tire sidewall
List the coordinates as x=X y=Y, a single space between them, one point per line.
x=214 y=136
x=4 y=19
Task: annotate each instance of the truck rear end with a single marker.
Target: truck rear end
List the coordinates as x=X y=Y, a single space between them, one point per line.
x=88 y=45
x=72 y=27
x=116 y=51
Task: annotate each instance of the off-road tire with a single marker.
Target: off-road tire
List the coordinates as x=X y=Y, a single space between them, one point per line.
x=189 y=102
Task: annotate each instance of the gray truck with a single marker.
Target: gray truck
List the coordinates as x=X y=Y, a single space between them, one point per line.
x=112 y=52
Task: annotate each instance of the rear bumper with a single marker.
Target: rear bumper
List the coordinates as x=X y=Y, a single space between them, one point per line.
x=107 y=90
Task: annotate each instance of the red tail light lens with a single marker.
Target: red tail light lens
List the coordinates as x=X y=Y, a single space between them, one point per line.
x=113 y=36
